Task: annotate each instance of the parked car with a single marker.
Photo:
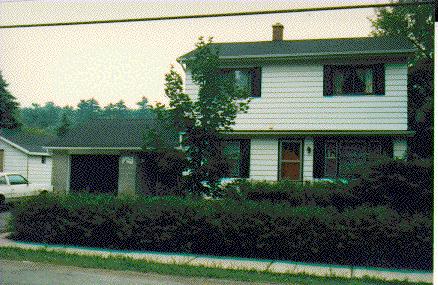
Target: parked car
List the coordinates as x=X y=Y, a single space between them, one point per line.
x=14 y=186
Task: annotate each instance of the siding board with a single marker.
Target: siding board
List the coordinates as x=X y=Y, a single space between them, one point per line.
x=292 y=99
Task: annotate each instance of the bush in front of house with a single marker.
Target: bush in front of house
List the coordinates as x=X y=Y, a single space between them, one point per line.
x=406 y=186
x=322 y=194
x=368 y=236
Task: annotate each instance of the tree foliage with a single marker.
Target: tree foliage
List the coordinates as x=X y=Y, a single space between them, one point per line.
x=51 y=119
x=8 y=107
x=415 y=23
x=201 y=119
x=65 y=125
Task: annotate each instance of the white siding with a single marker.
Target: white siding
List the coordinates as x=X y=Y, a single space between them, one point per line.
x=190 y=87
x=264 y=159
x=39 y=172
x=29 y=166
x=400 y=149
x=308 y=159
x=292 y=99
x=14 y=159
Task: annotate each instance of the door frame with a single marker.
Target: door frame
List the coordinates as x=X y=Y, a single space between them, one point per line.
x=301 y=148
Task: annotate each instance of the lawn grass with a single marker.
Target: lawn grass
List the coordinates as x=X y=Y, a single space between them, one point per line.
x=129 y=264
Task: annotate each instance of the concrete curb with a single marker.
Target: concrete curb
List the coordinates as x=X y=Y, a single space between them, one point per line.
x=236 y=263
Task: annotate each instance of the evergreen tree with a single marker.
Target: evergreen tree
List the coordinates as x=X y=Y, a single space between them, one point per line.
x=65 y=125
x=8 y=107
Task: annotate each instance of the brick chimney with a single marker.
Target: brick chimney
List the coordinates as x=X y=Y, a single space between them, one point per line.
x=277 y=32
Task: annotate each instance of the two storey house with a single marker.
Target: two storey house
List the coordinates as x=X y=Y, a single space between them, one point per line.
x=319 y=108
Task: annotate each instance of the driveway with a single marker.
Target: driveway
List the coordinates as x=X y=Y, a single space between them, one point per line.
x=31 y=273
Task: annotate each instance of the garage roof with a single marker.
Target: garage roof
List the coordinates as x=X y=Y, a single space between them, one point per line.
x=120 y=133
x=27 y=142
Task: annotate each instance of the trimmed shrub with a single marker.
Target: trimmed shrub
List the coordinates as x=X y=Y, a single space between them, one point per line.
x=375 y=236
x=406 y=186
x=320 y=194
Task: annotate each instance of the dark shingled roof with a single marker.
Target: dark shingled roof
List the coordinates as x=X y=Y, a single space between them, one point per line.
x=115 y=133
x=28 y=141
x=317 y=47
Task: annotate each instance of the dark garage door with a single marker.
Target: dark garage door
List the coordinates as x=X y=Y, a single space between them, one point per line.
x=94 y=173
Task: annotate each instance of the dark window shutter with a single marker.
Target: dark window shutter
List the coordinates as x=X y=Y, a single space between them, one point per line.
x=256 y=80
x=244 y=158
x=328 y=80
x=318 y=158
x=379 y=79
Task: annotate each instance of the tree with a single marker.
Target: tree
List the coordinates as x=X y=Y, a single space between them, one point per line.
x=415 y=23
x=143 y=104
x=202 y=120
x=64 y=126
x=88 y=109
x=8 y=107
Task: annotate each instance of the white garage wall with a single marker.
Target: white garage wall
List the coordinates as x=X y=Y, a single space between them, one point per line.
x=29 y=166
x=14 y=159
x=39 y=172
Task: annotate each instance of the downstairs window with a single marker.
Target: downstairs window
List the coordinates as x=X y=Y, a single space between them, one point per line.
x=340 y=158
x=237 y=153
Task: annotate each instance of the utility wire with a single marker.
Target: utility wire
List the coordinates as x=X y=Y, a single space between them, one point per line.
x=232 y=14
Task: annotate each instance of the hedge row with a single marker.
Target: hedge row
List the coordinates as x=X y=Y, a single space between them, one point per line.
x=293 y=193
x=405 y=186
x=363 y=236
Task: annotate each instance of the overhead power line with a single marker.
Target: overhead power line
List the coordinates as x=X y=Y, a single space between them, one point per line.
x=232 y=14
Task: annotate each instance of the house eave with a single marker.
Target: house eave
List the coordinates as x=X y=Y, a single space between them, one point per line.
x=91 y=148
x=313 y=56
x=303 y=133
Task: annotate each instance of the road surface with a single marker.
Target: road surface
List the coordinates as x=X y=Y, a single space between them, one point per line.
x=32 y=273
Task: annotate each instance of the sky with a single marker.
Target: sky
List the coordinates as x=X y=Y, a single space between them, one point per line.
x=126 y=61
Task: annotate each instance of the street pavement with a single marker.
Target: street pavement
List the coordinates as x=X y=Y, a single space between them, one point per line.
x=32 y=273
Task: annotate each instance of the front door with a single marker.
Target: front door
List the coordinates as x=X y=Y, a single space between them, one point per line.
x=290 y=160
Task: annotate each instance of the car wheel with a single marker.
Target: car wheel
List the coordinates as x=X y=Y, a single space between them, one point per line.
x=2 y=201
x=43 y=192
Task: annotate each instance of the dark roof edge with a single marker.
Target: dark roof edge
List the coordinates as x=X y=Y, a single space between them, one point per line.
x=404 y=133
x=320 y=55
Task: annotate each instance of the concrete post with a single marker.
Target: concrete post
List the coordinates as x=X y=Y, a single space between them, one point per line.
x=61 y=171
x=128 y=164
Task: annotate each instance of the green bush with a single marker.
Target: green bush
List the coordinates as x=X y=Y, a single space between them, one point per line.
x=406 y=186
x=375 y=236
x=293 y=193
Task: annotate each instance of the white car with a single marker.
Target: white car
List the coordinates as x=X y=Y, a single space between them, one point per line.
x=14 y=186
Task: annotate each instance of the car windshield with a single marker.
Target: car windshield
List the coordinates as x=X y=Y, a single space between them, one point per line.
x=17 y=179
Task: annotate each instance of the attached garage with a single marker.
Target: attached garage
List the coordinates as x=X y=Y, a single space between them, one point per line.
x=94 y=173
x=107 y=156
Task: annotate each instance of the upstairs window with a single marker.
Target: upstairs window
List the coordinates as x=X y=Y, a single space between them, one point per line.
x=354 y=80
x=248 y=79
